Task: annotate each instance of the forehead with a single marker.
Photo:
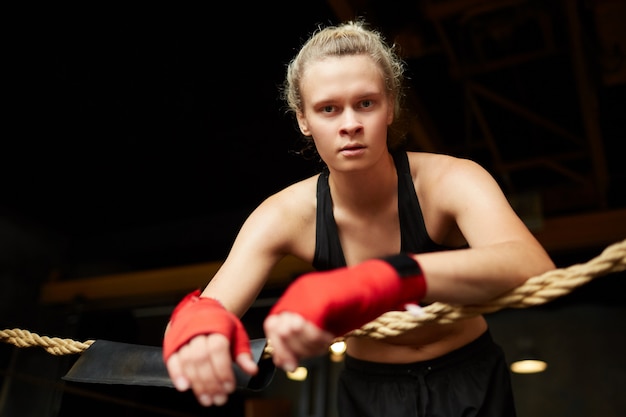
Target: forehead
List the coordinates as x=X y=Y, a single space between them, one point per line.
x=341 y=73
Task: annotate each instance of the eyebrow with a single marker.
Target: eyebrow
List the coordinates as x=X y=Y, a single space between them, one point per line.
x=367 y=95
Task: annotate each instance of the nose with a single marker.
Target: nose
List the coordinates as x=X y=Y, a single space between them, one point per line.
x=350 y=123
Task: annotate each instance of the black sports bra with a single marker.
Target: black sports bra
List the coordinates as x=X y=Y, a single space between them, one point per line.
x=414 y=237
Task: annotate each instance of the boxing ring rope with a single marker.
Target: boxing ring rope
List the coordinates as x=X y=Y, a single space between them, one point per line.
x=535 y=291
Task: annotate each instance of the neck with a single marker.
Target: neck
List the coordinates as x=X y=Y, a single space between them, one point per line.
x=365 y=189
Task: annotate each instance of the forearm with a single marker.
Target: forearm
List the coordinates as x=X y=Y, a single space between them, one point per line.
x=476 y=275
x=240 y=279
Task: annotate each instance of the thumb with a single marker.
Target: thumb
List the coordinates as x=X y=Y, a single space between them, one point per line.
x=247 y=363
x=242 y=351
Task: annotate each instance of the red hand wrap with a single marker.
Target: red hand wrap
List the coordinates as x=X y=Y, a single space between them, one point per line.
x=195 y=316
x=344 y=299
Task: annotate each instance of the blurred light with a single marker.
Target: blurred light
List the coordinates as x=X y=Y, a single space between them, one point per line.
x=528 y=366
x=337 y=351
x=299 y=374
x=338 y=348
x=527 y=359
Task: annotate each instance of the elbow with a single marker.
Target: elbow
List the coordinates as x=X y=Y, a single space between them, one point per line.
x=535 y=266
x=527 y=262
x=542 y=262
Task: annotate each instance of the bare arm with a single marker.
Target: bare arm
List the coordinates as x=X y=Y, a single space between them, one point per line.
x=282 y=225
x=204 y=363
x=254 y=252
x=502 y=252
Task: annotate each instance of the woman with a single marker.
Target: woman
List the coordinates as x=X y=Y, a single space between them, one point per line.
x=384 y=228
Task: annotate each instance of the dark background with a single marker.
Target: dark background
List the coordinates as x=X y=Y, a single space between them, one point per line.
x=143 y=124
x=139 y=137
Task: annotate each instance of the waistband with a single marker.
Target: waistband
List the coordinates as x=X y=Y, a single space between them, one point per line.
x=483 y=345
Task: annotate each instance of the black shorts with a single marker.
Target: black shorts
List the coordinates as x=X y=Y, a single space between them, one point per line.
x=472 y=381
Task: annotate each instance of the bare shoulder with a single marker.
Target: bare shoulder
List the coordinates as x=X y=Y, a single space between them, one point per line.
x=441 y=164
x=284 y=218
x=293 y=201
x=461 y=191
x=279 y=226
x=440 y=170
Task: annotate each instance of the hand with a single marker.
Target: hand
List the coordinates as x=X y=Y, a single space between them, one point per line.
x=200 y=343
x=344 y=299
x=292 y=338
x=205 y=365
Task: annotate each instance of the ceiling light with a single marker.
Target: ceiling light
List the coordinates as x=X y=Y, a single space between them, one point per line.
x=528 y=366
x=527 y=360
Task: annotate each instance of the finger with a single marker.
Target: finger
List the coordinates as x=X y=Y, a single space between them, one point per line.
x=221 y=362
x=307 y=339
x=175 y=371
x=320 y=339
x=204 y=360
x=286 y=335
x=247 y=363
x=281 y=356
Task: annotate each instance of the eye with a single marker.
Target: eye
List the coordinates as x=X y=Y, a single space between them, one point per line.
x=327 y=109
x=367 y=103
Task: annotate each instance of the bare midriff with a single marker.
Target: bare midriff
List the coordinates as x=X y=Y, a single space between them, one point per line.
x=425 y=342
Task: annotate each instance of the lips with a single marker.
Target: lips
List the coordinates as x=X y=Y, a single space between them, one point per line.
x=354 y=147
x=352 y=150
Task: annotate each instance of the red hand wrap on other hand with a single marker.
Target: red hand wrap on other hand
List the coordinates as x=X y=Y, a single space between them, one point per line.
x=346 y=298
x=195 y=316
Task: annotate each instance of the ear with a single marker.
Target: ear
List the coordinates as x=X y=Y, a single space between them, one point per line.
x=302 y=124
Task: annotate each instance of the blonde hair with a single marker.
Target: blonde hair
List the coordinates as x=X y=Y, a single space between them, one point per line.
x=349 y=38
